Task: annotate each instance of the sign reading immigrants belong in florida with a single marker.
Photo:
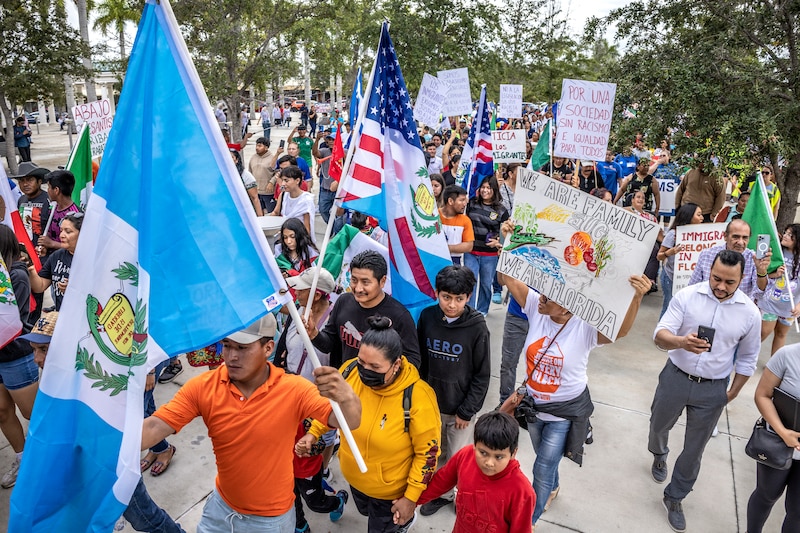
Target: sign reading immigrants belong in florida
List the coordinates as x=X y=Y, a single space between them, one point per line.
x=577 y=250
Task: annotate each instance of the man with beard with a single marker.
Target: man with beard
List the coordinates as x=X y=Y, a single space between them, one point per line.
x=737 y=235
x=341 y=336
x=710 y=330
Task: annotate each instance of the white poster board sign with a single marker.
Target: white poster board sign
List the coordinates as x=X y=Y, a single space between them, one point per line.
x=430 y=100
x=584 y=119
x=459 y=100
x=695 y=238
x=510 y=101
x=577 y=250
x=508 y=146
x=667 y=187
x=99 y=117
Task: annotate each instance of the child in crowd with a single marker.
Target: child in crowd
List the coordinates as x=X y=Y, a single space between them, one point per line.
x=41 y=335
x=493 y=493
x=294 y=249
x=456 y=354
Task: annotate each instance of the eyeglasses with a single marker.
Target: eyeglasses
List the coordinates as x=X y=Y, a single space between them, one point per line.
x=767 y=172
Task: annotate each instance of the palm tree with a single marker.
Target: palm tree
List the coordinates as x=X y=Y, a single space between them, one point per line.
x=115 y=13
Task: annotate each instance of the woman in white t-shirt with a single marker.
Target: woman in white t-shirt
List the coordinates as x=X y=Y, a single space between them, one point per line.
x=295 y=202
x=557 y=353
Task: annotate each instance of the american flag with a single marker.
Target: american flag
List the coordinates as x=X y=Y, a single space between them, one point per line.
x=388 y=179
x=476 y=161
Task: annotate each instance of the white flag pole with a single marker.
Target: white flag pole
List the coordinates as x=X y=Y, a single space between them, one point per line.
x=337 y=410
x=362 y=113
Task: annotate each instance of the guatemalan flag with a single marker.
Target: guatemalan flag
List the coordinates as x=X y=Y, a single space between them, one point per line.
x=170 y=259
x=388 y=180
x=476 y=161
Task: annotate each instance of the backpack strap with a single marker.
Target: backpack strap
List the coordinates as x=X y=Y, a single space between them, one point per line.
x=349 y=368
x=407 y=407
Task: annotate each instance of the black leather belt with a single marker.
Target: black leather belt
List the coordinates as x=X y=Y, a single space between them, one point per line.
x=696 y=379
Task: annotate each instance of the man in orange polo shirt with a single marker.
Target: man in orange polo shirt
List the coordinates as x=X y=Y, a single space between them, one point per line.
x=252 y=410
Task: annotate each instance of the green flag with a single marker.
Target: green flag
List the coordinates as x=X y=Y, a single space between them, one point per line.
x=759 y=215
x=80 y=164
x=541 y=154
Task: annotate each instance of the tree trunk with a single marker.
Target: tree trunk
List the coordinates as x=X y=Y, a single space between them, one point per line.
x=789 y=193
x=83 y=23
x=11 y=151
x=122 y=46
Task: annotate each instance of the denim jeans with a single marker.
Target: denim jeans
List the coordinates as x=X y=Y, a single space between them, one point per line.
x=144 y=515
x=666 y=289
x=483 y=266
x=218 y=516
x=267 y=129
x=150 y=406
x=549 y=440
x=515 y=331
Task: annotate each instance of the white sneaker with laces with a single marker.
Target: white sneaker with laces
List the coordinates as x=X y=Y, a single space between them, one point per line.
x=10 y=477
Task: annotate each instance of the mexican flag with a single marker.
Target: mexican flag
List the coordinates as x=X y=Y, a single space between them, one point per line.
x=541 y=154
x=759 y=215
x=80 y=164
x=348 y=243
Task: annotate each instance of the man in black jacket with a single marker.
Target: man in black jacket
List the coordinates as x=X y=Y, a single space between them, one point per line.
x=456 y=354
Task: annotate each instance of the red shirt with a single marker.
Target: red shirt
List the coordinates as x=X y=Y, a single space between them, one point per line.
x=502 y=503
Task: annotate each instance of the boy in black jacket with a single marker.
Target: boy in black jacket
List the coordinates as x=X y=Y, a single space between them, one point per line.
x=454 y=344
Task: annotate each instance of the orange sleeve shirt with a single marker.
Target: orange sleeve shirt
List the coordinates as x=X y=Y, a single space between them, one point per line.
x=253 y=437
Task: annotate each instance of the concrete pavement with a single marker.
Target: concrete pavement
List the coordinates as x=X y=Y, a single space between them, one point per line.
x=613 y=491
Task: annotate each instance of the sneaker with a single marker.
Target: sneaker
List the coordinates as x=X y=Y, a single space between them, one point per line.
x=675 y=515
x=337 y=514
x=408 y=525
x=10 y=477
x=433 y=506
x=304 y=529
x=327 y=475
x=171 y=372
x=716 y=431
x=659 y=468
x=497 y=298
x=120 y=525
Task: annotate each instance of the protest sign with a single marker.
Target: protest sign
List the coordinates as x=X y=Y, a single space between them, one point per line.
x=510 y=101
x=584 y=119
x=667 y=187
x=508 y=146
x=323 y=108
x=98 y=116
x=577 y=250
x=458 y=100
x=695 y=238
x=430 y=100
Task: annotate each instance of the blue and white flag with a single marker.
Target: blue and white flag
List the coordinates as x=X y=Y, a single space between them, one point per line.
x=355 y=107
x=476 y=161
x=170 y=259
x=388 y=180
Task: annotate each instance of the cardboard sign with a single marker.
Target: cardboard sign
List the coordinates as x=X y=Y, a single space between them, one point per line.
x=508 y=146
x=695 y=238
x=458 y=101
x=510 y=101
x=430 y=100
x=584 y=119
x=577 y=250
x=667 y=187
x=98 y=116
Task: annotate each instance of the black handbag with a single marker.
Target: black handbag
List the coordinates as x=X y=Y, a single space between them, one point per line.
x=768 y=448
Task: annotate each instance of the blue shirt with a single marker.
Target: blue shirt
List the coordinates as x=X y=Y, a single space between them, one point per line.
x=611 y=172
x=627 y=163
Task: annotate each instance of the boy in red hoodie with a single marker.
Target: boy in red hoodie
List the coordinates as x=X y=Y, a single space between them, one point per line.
x=493 y=496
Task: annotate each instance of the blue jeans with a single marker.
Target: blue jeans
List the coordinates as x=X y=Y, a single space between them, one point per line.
x=666 y=288
x=267 y=128
x=483 y=266
x=326 y=199
x=549 y=440
x=218 y=516
x=514 y=332
x=150 y=406
x=144 y=515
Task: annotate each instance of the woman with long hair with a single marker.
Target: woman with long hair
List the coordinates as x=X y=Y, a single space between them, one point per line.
x=487 y=213
x=294 y=201
x=294 y=249
x=686 y=214
x=773 y=193
x=777 y=311
x=635 y=203
x=55 y=271
x=437 y=184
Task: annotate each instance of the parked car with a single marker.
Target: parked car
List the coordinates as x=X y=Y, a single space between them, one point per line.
x=32 y=117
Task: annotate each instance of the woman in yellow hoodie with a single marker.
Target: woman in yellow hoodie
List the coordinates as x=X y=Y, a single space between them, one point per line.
x=400 y=450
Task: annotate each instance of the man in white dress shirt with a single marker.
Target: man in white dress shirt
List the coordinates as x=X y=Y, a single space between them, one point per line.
x=696 y=375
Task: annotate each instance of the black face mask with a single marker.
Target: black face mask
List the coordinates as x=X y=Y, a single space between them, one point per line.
x=370 y=378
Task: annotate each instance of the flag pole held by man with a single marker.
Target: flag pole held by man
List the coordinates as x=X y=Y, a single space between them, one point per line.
x=152 y=276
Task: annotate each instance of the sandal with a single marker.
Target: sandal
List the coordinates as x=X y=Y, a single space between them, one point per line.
x=147 y=461
x=159 y=467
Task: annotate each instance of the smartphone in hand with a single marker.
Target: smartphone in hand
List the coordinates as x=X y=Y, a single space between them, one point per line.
x=707 y=334
x=762 y=245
